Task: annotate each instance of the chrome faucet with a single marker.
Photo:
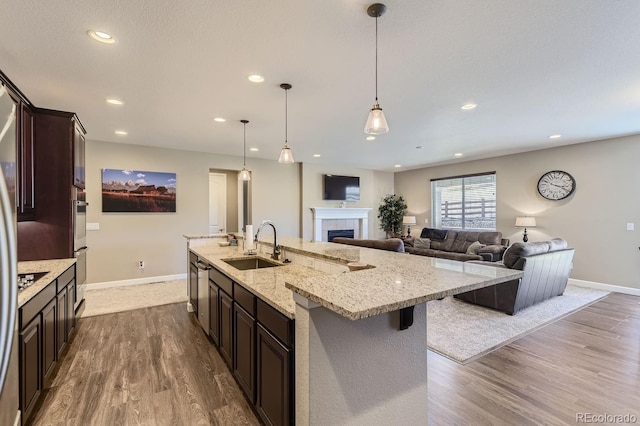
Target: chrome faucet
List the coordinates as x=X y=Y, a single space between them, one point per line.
x=276 y=247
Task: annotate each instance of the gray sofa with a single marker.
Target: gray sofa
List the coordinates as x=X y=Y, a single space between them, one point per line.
x=454 y=245
x=391 y=244
x=546 y=266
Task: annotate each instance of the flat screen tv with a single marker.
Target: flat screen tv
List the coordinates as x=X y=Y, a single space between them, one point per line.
x=341 y=188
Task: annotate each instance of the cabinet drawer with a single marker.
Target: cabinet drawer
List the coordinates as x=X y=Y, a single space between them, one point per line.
x=221 y=280
x=244 y=298
x=278 y=324
x=37 y=304
x=65 y=278
x=193 y=258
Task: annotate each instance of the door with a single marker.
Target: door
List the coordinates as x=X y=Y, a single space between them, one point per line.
x=274 y=381
x=217 y=203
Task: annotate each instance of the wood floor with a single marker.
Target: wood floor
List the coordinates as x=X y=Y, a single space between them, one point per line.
x=588 y=362
x=151 y=366
x=154 y=366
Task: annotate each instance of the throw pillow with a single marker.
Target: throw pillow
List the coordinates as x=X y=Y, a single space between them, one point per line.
x=474 y=247
x=422 y=243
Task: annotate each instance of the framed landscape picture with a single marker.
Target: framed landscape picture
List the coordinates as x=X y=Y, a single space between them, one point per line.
x=134 y=191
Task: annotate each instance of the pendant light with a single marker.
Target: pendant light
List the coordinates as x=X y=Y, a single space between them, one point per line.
x=286 y=156
x=376 y=123
x=244 y=174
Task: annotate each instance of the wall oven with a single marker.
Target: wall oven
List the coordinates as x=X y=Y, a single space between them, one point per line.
x=80 y=242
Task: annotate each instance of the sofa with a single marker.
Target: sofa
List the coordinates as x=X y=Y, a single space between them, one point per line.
x=458 y=245
x=546 y=266
x=390 y=244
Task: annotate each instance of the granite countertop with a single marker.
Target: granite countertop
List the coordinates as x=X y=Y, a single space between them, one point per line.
x=397 y=280
x=53 y=267
x=213 y=236
x=266 y=283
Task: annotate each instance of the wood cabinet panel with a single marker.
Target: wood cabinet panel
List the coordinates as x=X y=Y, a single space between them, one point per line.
x=214 y=313
x=244 y=338
x=71 y=313
x=25 y=166
x=226 y=328
x=193 y=287
x=50 y=351
x=61 y=322
x=31 y=366
x=274 y=380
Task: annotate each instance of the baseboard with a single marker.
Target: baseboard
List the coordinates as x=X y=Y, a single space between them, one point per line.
x=135 y=281
x=607 y=287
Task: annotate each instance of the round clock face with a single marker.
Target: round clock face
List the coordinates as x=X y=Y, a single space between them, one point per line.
x=556 y=185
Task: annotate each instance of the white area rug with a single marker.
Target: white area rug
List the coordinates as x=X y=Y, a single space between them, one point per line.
x=464 y=332
x=119 y=299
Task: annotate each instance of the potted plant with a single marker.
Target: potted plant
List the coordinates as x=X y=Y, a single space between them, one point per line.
x=390 y=214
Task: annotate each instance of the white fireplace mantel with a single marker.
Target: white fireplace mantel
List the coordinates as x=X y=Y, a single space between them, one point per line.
x=321 y=213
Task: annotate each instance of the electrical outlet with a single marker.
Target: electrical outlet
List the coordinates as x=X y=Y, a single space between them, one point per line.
x=141 y=264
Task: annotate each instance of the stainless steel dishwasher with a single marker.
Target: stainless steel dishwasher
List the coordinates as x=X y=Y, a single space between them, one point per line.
x=203 y=295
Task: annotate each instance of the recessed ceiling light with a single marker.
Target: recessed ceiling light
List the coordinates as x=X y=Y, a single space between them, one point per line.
x=457 y=154
x=316 y=155
x=219 y=120
x=101 y=36
x=255 y=78
x=370 y=138
x=254 y=149
x=468 y=106
x=555 y=136
x=397 y=165
x=113 y=101
x=121 y=132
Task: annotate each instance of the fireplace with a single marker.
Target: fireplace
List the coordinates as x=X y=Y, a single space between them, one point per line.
x=332 y=233
x=327 y=218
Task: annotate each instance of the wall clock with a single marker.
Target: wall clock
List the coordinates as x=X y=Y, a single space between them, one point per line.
x=556 y=185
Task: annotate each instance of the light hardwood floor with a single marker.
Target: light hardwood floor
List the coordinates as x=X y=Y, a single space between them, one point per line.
x=154 y=366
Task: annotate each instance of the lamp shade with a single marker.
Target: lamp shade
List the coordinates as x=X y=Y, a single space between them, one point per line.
x=525 y=222
x=376 y=123
x=409 y=220
x=286 y=156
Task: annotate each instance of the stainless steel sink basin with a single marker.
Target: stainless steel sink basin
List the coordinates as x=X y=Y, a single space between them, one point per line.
x=251 y=263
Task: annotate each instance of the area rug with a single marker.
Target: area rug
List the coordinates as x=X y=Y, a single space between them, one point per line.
x=464 y=332
x=118 y=299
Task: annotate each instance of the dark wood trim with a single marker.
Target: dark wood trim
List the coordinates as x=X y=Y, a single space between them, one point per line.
x=464 y=176
x=14 y=88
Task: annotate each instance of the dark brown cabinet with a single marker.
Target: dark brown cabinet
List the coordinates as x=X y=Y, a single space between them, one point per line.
x=61 y=326
x=214 y=313
x=244 y=338
x=46 y=324
x=78 y=157
x=50 y=352
x=274 y=386
x=226 y=328
x=193 y=286
x=31 y=365
x=25 y=166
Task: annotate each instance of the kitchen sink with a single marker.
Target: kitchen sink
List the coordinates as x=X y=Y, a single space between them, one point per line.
x=251 y=263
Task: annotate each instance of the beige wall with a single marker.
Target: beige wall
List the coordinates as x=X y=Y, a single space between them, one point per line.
x=593 y=220
x=373 y=186
x=125 y=238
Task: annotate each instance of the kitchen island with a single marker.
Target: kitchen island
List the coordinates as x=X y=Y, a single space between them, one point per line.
x=360 y=337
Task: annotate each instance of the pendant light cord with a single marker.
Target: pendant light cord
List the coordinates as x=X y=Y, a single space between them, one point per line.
x=376 y=59
x=244 y=145
x=286 y=116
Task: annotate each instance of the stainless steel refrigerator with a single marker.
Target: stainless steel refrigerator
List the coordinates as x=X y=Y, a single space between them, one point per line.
x=9 y=414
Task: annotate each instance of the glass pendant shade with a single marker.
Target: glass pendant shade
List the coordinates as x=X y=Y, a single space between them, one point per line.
x=286 y=156
x=245 y=175
x=376 y=123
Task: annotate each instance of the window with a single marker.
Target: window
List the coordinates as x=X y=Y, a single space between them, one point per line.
x=464 y=202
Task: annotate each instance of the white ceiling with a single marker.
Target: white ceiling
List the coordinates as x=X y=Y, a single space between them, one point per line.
x=535 y=68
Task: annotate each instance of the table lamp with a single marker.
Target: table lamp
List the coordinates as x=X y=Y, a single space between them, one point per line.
x=408 y=220
x=524 y=222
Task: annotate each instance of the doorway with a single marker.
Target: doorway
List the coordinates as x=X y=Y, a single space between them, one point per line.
x=229 y=202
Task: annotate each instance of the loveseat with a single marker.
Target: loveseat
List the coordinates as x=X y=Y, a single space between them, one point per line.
x=391 y=244
x=546 y=267
x=459 y=245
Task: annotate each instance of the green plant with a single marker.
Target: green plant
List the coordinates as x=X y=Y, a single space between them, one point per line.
x=390 y=214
